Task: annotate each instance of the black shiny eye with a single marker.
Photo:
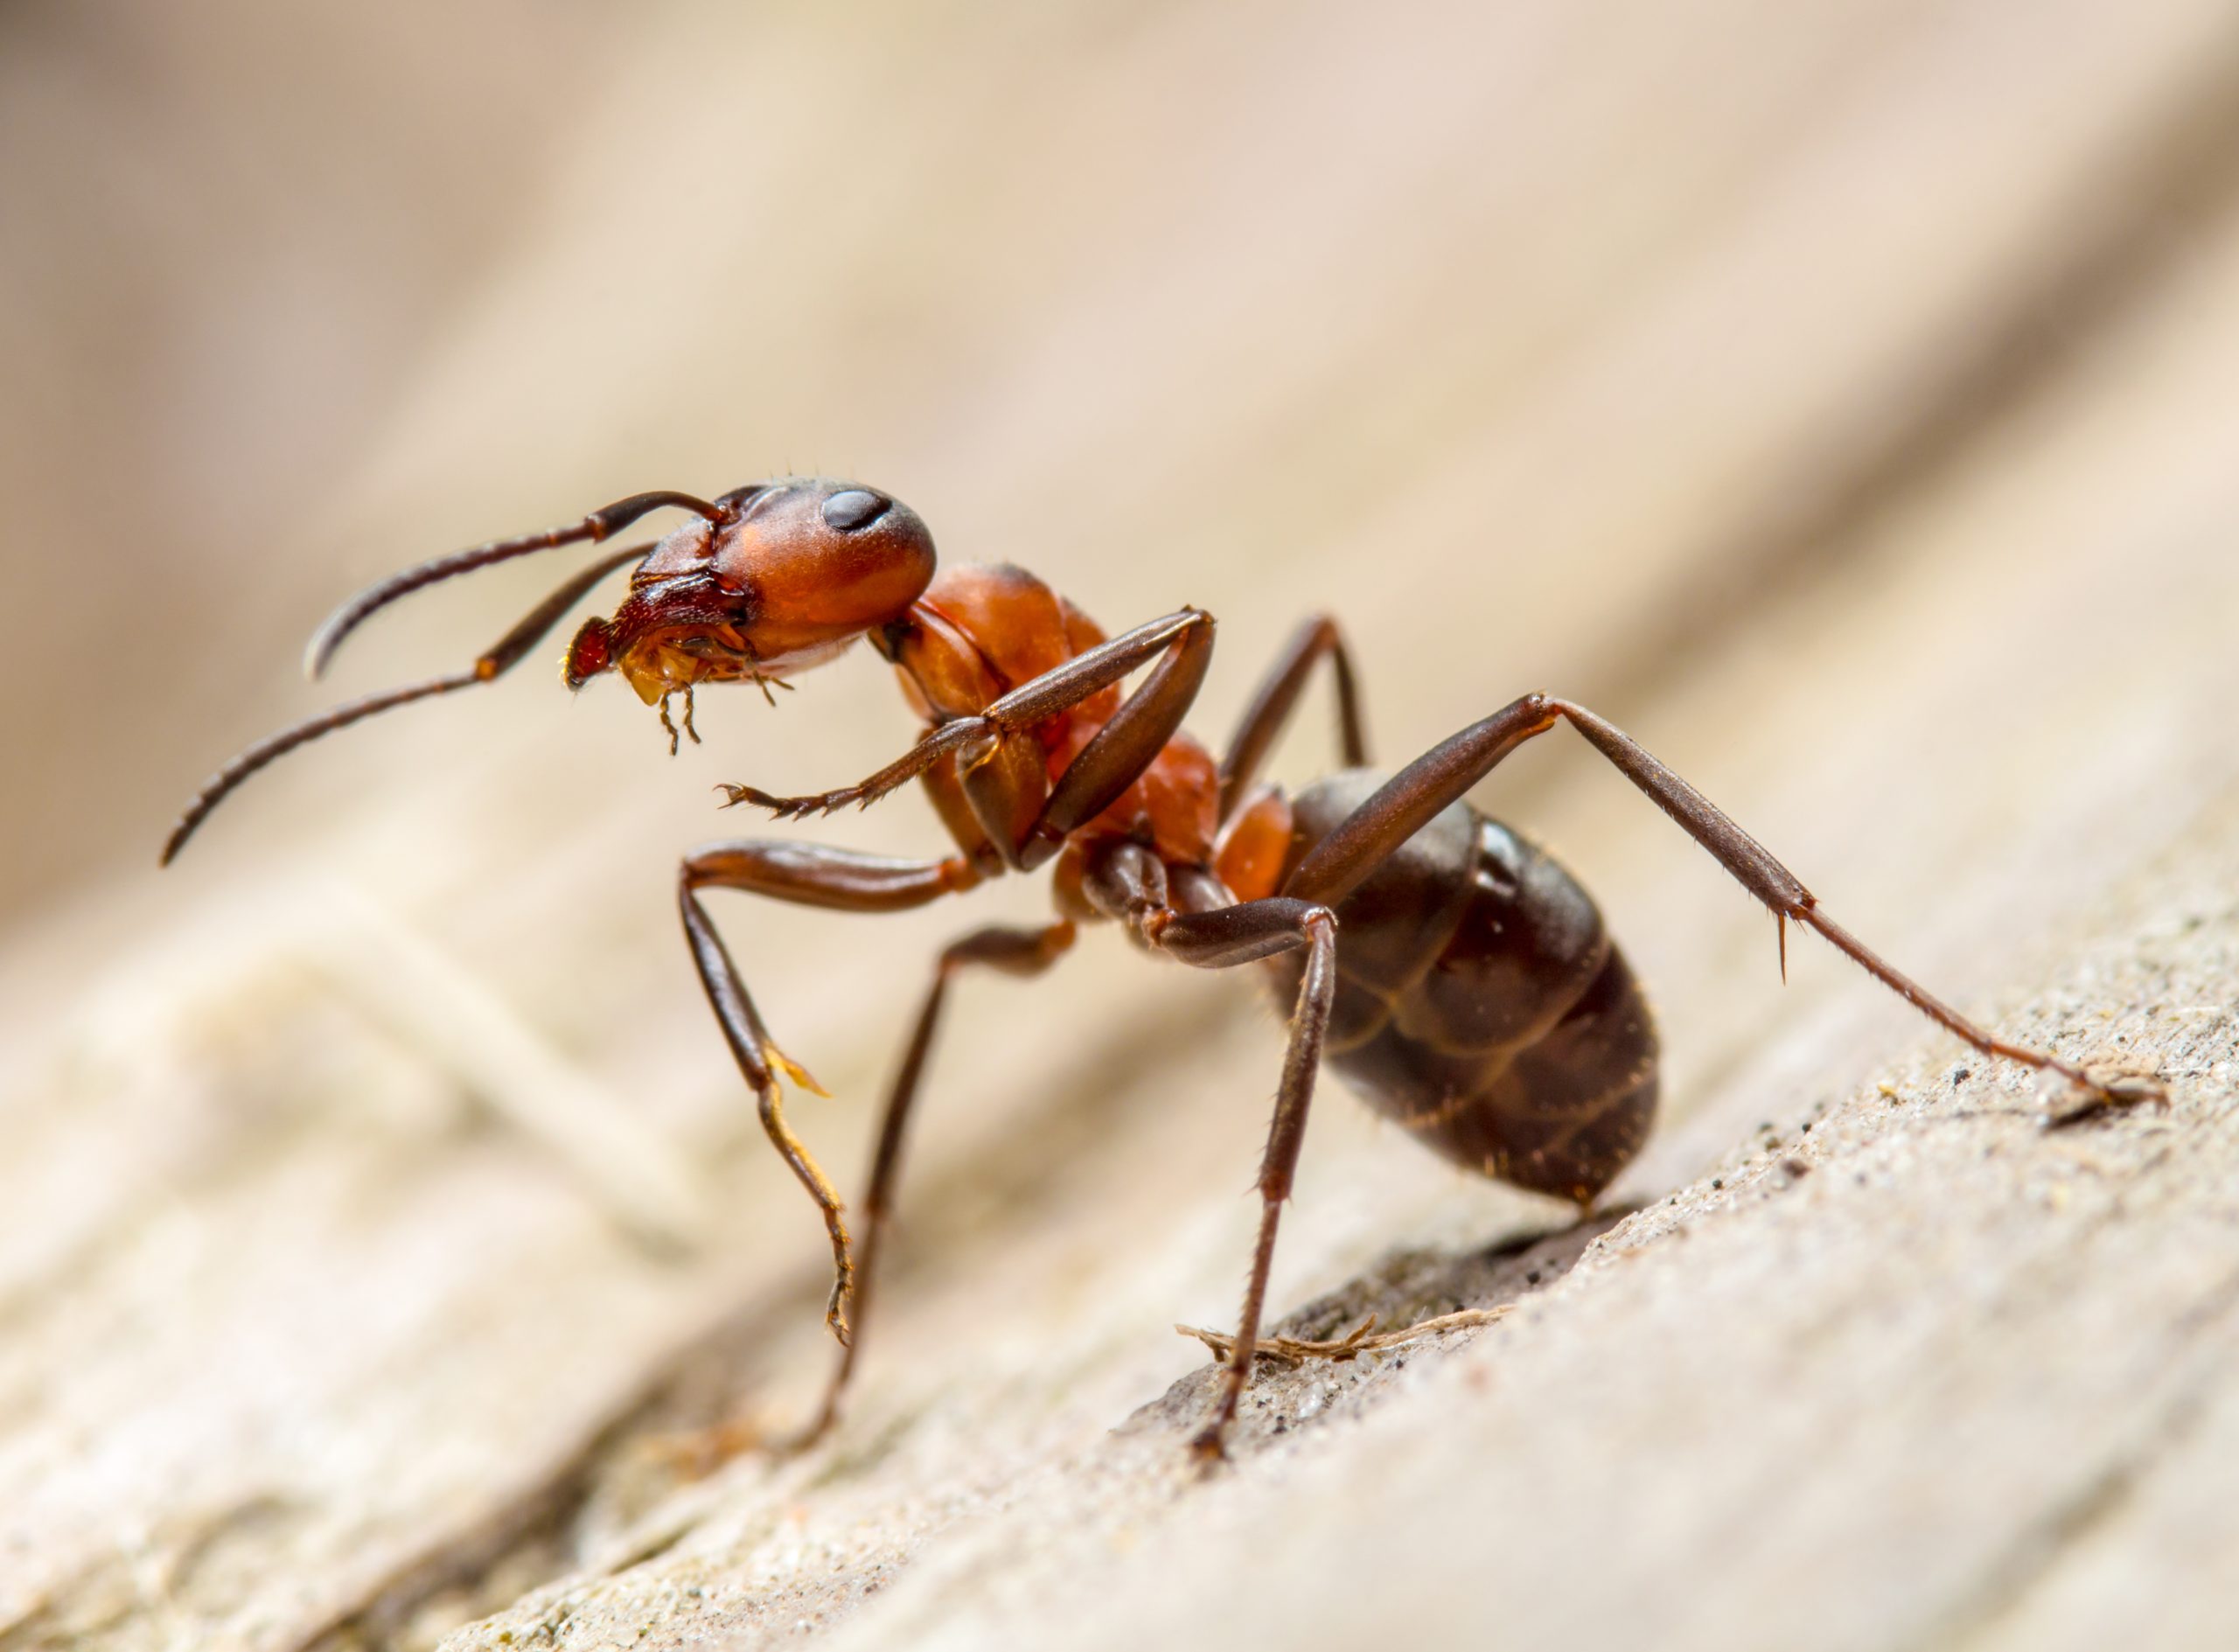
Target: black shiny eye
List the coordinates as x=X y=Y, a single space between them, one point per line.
x=857 y=507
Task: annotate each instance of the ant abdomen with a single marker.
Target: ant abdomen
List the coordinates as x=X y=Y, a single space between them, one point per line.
x=1480 y=1002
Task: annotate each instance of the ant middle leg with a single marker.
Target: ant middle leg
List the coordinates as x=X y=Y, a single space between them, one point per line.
x=1129 y=884
x=1221 y=939
x=1276 y=697
x=1446 y=773
x=1021 y=952
x=805 y=874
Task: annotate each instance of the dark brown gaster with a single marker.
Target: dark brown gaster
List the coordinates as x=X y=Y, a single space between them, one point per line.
x=1461 y=980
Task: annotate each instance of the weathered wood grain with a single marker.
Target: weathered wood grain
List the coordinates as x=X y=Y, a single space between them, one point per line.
x=1840 y=397
x=1899 y=1369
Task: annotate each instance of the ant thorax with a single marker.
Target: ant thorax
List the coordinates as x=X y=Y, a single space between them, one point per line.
x=980 y=631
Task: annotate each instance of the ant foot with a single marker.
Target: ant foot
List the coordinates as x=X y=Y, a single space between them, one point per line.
x=2115 y=1095
x=801 y=1440
x=1293 y=1350
x=780 y=808
x=1288 y=1350
x=796 y=808
x=698 y=1452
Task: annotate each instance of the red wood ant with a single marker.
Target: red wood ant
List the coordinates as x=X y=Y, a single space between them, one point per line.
x=1474 y=996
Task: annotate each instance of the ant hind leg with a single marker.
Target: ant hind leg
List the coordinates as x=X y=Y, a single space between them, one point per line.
x=1441 y=776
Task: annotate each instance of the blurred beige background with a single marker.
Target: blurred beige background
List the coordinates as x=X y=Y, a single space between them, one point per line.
x=295 y=295
x=1841 y=397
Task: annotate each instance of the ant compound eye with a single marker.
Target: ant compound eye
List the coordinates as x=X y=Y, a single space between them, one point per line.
x=856 y=508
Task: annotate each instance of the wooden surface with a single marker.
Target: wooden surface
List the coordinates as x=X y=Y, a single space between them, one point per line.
x=1841 y=398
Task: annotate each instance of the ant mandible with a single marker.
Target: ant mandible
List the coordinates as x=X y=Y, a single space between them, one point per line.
x=1457 y=976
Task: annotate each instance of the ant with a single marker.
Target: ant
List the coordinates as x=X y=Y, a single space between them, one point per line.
x=1458 y=977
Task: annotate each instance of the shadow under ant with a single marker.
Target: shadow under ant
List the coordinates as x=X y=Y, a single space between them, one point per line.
x=1420 y=1300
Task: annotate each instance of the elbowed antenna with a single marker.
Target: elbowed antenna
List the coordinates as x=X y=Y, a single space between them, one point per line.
x=494 y=661
x=596 y=526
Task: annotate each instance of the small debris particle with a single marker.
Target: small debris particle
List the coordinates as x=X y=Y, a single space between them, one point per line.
x=1532 y=1278
x=1717 y=1181
x=1889 y=1090
x=1806 y=1129
x=1795 y=1166
x=1961 y=1074
x=1282 y=1426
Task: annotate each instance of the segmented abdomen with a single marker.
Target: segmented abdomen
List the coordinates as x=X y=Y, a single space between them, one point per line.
x=1482 y=1004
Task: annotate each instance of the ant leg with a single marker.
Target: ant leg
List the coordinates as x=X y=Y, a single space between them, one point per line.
x=1116 y=756
x=1221 y=939
x=1129 y=883
x=1272 y=706
x=805 y=874
x=1188 y=632
x=1021 y=952
x=1007 y=792
x=493 y=663
x=1444 y=774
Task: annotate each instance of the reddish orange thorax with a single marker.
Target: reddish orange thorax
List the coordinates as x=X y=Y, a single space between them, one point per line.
x=979 y=631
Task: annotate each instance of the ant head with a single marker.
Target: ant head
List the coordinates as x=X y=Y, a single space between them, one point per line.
x=791 y=574
x=767 y=581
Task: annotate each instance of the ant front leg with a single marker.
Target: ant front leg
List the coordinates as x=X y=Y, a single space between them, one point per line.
x=1154 y=709
x=1446 y=773
x=805 y=874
